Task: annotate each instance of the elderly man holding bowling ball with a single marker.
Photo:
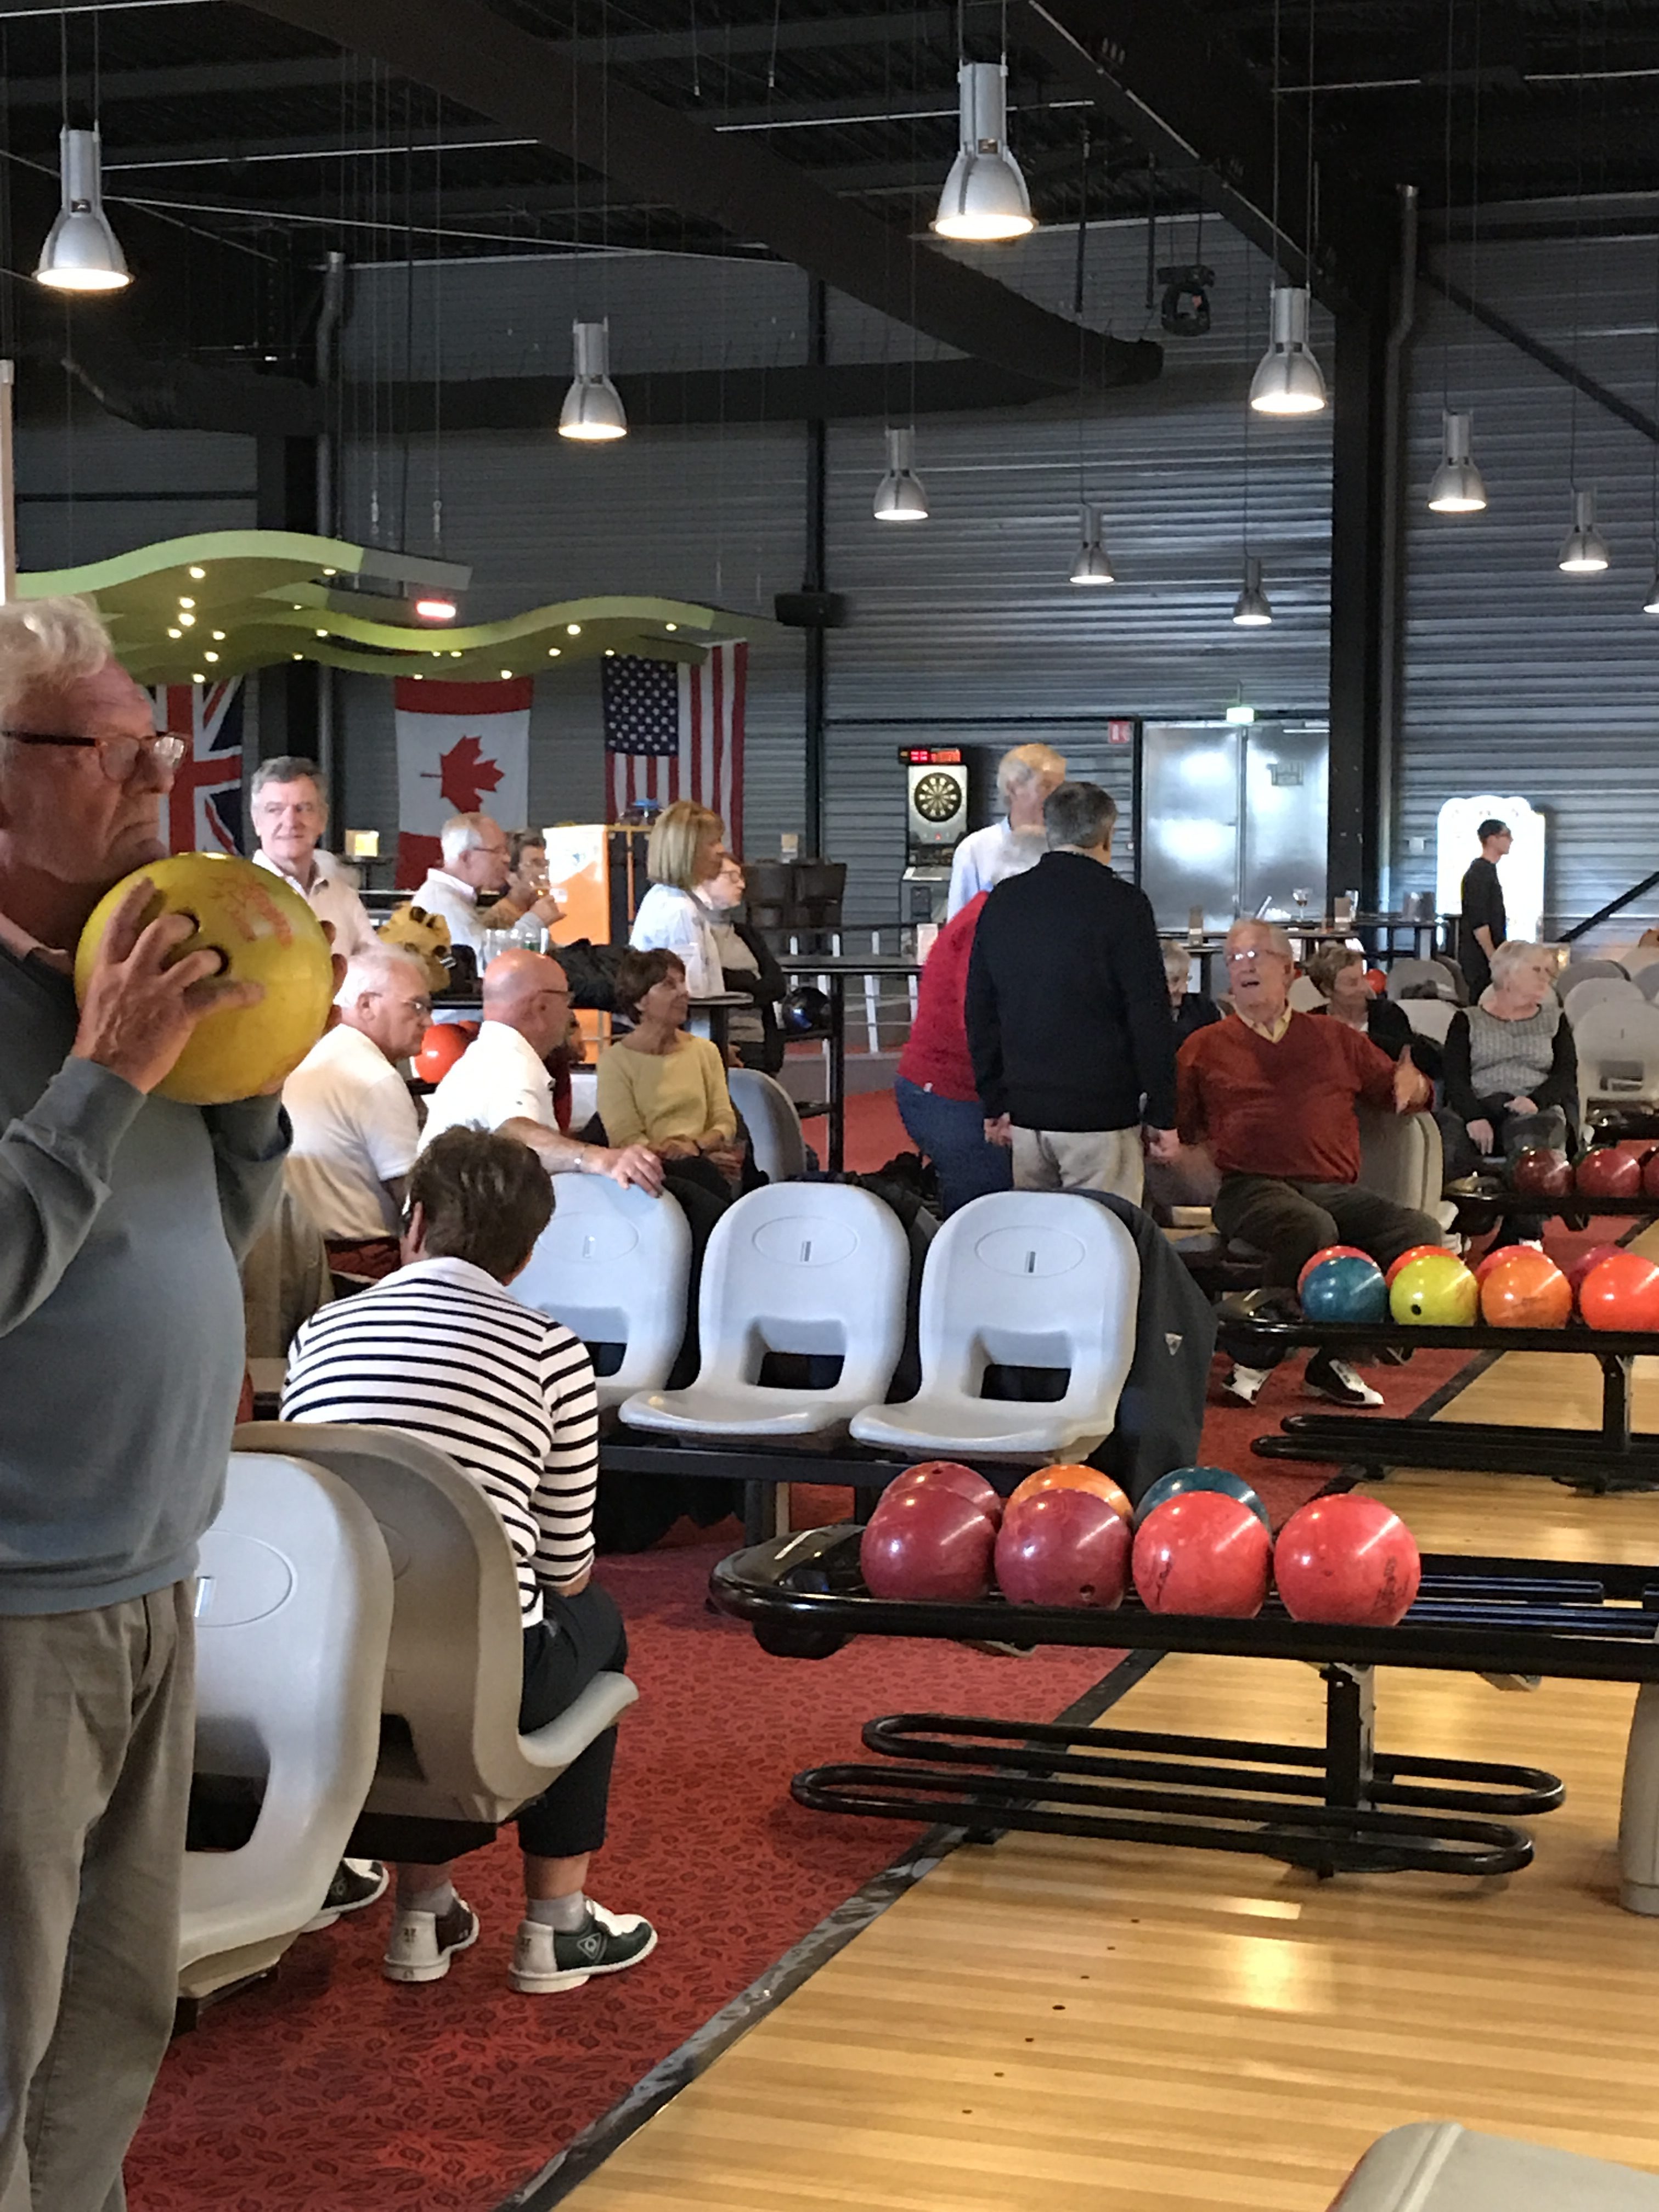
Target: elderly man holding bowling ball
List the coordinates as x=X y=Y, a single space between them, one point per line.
x=122 y=1216
x=1273 y=1092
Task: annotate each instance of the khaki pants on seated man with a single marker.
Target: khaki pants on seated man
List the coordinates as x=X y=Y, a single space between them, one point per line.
x=1079 y=1159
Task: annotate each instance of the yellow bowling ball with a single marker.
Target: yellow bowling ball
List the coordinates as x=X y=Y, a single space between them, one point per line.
x=1437 y=1291
x=268 y=935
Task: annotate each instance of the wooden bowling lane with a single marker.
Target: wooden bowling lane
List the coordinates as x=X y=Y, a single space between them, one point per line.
x=1056 y=2025
x=1522 y=1516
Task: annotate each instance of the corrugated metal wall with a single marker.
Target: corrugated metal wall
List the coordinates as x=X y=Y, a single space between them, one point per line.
x=1518 y=678
x=89 y=486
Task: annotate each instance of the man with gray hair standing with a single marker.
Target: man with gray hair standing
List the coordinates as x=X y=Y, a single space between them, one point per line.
x=1068 y=1014
x=288 y=807
x=121 y=1217
x=985 y=858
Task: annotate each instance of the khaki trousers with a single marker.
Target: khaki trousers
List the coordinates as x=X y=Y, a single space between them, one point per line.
x=1079 y=1159
x=96 y=1743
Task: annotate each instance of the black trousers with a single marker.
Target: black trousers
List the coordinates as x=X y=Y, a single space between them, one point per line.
x=580 y=1637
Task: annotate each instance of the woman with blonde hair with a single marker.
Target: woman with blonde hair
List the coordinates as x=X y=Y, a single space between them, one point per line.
x=683 y=850
x=1025 y=776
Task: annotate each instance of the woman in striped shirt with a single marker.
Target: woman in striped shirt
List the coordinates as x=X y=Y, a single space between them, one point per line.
x=442 y=1349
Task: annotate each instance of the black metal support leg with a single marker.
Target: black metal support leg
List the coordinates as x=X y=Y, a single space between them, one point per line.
x=1615 y=1401
x=1350 y=1735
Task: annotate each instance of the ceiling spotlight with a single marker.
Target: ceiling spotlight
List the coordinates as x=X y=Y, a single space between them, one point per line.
x=185 y=602
x=671 y=626
x=1287 y=379
x=198 y=574
x=210 y=656
x=82 y=253
x=175 y=631
x=188 y=621
x=573 y=629
x=1583 y=549
x=900 y=496
x=1251 y=609
x=433 y=608
x=506 y=672
x=593 y=410
x=1092 y=566
x=552 y=652
x=985 y=199
x=1458 y=488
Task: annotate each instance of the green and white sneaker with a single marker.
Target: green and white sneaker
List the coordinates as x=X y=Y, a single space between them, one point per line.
x=544 y=1958
x=421 y=1944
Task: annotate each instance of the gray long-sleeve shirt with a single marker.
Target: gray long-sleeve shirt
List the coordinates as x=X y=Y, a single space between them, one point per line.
x=122 y=1218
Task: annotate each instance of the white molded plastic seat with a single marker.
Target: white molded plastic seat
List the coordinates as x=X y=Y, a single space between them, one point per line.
x=1590 y=991
x=1588 y=971
x=1401 y=1157
x=1618 y=1049
x=613 y=1266
x=1413 y=973
x=1440 y=2166
x=1429 y=1017
x=454 y=1670
x=293 y=1612
x=1020 y=1279
x=803 y=1267
x=774 y=1126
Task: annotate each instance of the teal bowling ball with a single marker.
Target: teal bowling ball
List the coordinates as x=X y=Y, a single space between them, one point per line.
x=1180 y=1480
x=1345 y=1288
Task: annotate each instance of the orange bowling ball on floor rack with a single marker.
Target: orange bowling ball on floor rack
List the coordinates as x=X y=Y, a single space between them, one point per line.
x=1620 y=1293
x=1524 y=1290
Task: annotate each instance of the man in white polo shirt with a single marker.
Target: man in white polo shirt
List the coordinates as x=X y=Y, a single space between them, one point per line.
x=288 y=806
x=501 y=1081
x=356 y=1130
x=471 y=890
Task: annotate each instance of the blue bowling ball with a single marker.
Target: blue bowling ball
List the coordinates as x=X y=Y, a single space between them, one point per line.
x=1346 y=1289
x=1180 y=1480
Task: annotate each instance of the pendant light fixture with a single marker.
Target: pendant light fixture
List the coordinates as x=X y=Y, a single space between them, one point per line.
x=985 y=200
x=593 y=411
x=900 y=496
x=1252 y=609
x=1458 y=487
x=82 y=253
x=1093 y=564
x=1288 y=380
x=1583 y=549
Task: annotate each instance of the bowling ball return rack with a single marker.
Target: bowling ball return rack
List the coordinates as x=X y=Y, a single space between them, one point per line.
x=1604 y=1459
x=1341 y=1807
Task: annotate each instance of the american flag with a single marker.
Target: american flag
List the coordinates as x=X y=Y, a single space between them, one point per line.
x=202 y=812
x=672 y=732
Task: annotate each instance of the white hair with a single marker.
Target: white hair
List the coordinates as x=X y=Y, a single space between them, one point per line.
x=1030 y=764
x=1277 y=939
x=46 y=645
x=460 y=833
x=373 y=966
x=1178 y=961
x=1517 y=952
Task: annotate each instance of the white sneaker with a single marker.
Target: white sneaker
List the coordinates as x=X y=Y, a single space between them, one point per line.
x=421 y=1944
x=1245 y=1383
x=544 y=1958
x=1335 y=1380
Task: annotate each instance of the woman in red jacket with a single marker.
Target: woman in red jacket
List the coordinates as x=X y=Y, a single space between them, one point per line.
x=935 y=1085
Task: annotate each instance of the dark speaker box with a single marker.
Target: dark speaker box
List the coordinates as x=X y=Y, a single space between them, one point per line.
x=811 y=610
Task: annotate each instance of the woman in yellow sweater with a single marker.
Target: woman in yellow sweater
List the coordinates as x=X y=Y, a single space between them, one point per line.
x=665 y=1089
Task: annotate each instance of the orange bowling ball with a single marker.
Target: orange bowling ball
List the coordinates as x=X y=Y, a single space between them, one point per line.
x=264 y=933
x=1620 y=1293
x=1525 y=1290
x=1073 y=1475
x=440 y=1047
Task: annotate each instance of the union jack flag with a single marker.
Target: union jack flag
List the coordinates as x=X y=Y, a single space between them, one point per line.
x=202 y=812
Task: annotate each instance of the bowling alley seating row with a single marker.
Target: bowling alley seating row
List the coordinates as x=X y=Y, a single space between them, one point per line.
x=338 y=1701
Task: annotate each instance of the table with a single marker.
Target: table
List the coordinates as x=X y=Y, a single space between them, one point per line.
x=835 y=968
x=1341 y=1807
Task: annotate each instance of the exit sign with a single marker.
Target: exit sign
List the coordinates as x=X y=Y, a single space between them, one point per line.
x=1119 y=733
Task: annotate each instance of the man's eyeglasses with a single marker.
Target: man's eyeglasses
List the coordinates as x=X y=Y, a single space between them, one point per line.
x=1248 y=959
x=117 y=757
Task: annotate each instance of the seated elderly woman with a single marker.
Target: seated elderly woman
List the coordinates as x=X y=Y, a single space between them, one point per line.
x=1337 y=972
x=665 y=1089
x=1191 y=1010
x=1511 y=1072
x=444 y=1350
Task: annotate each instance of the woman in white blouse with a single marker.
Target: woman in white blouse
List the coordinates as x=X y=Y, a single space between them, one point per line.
x=683 y=851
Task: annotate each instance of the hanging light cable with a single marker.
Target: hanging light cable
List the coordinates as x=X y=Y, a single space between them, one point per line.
x=82 y=253
x=1251 y=609
x=1457 y=487
x=1650 y=605
x=900 y=496
x=1288 y=380
x=1583 y=549
x=984 y=200
x=593 y=410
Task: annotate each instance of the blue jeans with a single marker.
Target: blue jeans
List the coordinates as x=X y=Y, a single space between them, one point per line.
x=950 y=1132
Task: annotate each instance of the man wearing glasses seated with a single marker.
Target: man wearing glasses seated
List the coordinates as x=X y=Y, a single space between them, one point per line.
x=356 y=1130
x=1271 y=1093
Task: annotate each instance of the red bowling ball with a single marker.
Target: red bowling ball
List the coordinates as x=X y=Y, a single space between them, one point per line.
x=1607 y=1172
x=1542 y=1172
x=1064 y=1546
x=1348 y=1559
x=1620 y=1293
x=1582 y=1266
x=947 y=1474
x=929 y=1545
x=1202 y=1552
x=1651 y=1174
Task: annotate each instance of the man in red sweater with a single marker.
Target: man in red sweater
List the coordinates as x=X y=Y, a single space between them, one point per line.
x=1271 y=1093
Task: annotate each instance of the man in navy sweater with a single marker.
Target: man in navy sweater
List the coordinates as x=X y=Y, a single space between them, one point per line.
x=1068 y=1014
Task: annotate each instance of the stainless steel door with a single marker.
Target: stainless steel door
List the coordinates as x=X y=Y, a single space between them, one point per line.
x=1286 y=817
x=1190 y=801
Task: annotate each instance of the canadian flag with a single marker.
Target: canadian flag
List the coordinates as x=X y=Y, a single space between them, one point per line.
x=462 y=749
